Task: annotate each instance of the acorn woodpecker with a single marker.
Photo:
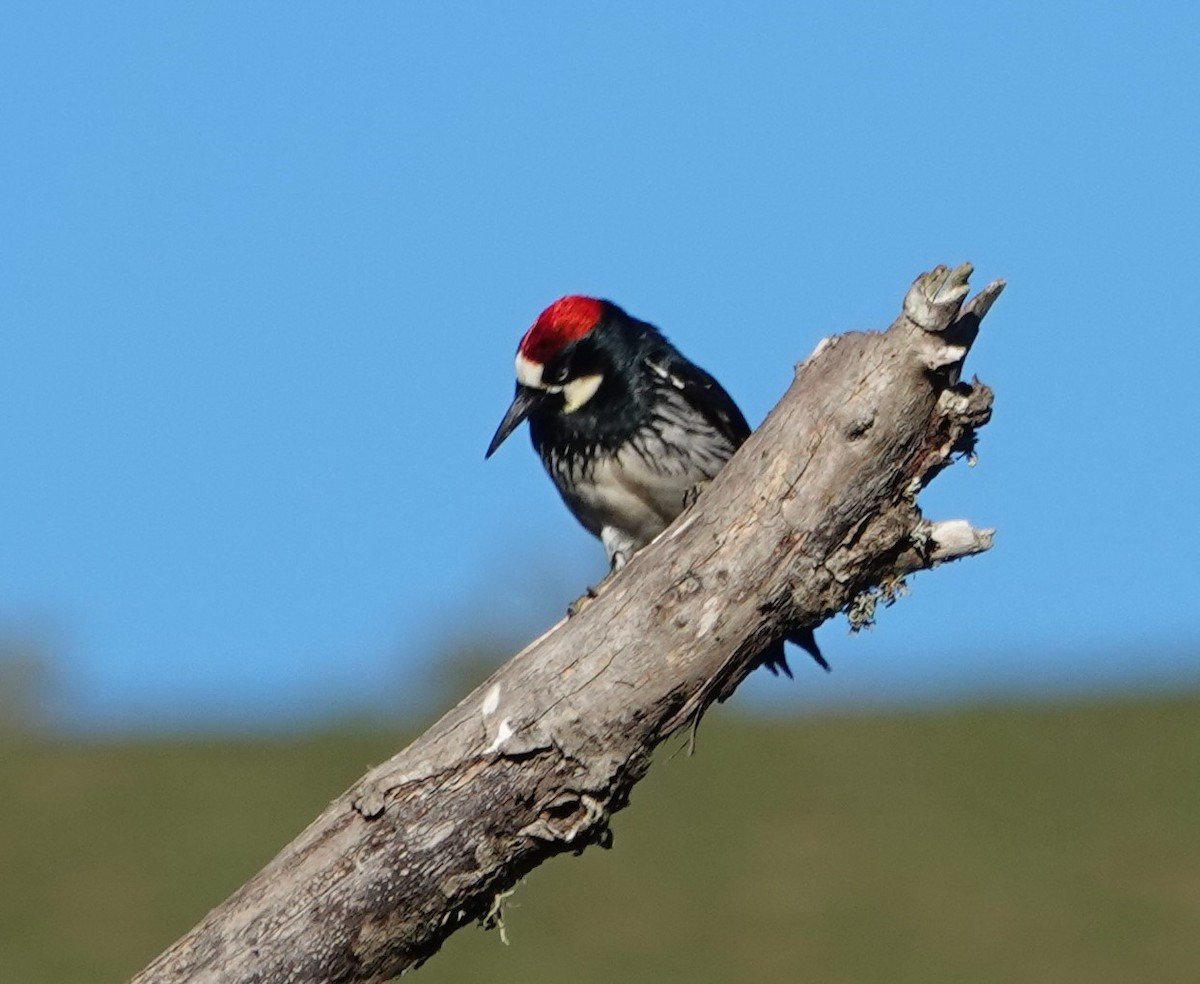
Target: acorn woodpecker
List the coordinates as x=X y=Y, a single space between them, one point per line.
x=627 y=427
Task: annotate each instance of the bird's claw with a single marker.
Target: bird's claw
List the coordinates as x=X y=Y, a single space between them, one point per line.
x=694 y=493
x=585 y=599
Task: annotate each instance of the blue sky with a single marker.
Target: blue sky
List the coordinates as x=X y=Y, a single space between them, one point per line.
x=264 y=267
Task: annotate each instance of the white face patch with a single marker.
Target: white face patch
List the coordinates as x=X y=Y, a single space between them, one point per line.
x=529 y=373
x=575 y=393
x=578 y=391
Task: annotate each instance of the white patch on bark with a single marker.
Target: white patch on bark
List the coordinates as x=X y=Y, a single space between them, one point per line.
x=822 y=345
x=503 y=733
x=683 y=526
x=953 y=538
x=709 y=616
x=945 y=355
x=433 y=836
x=491 y=701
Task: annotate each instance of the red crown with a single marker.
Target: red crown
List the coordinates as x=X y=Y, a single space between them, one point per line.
x=565 y=320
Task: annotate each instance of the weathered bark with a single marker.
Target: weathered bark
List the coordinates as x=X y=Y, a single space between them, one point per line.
x=815 y=515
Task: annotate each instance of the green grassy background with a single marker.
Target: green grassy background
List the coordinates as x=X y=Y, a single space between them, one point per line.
x=1053 y=843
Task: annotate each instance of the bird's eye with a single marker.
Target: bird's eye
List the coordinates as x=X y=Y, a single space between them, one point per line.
x=560 y=374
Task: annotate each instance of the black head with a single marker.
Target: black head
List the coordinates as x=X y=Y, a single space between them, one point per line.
x=575 y=368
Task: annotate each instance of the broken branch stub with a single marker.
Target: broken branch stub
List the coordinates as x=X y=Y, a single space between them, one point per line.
x=815 y=515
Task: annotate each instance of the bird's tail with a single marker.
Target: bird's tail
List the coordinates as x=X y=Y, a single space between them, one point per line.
x=775 y=658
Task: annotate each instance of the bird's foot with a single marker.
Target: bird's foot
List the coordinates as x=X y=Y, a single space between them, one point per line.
x=580 y=603
x=694 y=493
x=585 y=599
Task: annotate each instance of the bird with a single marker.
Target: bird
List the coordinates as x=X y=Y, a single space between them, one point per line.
x=628 y=429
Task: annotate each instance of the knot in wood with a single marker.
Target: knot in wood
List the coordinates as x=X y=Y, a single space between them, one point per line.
x=370 y=800
x=688 y=584
x=568 y=817
x=859 y=425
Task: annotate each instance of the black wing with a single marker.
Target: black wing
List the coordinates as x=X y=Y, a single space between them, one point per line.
x=703 y=392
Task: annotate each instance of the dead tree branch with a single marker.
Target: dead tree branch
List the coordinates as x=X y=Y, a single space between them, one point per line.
x=815 y=515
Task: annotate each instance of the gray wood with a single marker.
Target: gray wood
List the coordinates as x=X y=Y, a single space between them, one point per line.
x=815 y=515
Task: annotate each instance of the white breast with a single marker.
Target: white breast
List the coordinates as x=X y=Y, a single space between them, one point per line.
x=631 y=495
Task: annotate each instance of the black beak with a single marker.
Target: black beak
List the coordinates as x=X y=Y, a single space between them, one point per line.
x=524 y=403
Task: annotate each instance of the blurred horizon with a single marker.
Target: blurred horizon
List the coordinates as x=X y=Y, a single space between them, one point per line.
x=1047 y=842
x=32 y=702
